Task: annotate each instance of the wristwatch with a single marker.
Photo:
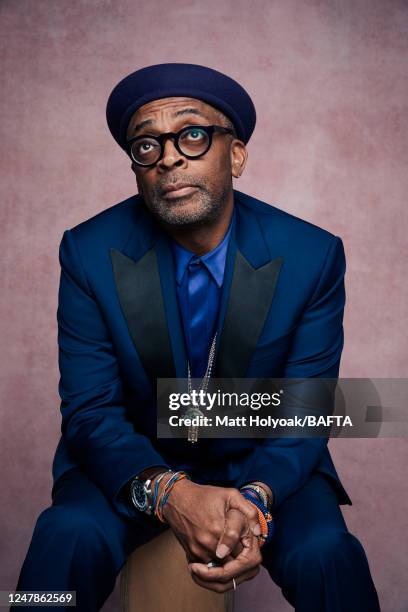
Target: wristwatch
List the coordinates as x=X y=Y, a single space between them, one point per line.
x=142 y=495
x=141 y=492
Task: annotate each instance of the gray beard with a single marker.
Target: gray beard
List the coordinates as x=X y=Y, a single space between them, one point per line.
x=208 y=209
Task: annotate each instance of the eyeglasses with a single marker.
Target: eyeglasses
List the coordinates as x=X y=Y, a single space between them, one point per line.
x=192 y=141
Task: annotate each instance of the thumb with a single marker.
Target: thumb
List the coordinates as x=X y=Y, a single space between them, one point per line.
x=235 y=527
x=238 y=502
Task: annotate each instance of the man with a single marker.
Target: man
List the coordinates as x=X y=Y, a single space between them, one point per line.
x=191 y=278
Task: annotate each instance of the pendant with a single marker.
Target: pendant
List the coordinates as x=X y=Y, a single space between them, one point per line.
x=192 y=412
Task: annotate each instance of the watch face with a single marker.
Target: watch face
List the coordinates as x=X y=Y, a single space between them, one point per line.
x=139 y=496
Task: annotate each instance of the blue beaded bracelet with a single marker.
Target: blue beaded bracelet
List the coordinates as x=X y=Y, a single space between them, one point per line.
x=265 y=512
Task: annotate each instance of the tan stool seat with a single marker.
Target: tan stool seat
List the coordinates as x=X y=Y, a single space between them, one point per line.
x=155 y=578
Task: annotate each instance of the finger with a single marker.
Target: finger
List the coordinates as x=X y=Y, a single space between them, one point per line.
x=235 y=552
x=249 y=558
x=222 y=587
x=237 y=501
x=190 y=555
x=198 y=554
x=236 y=526
x=219 y=562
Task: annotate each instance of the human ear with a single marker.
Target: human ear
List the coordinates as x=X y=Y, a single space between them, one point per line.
x=239 y=155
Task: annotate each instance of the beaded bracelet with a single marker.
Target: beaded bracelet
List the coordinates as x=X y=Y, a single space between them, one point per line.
x=254 y=493
x=164 y=493
x=265 y=519
x=260 y=492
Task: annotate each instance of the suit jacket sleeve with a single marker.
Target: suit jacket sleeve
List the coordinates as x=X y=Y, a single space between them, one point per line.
x=94 y=421
x=285 y=464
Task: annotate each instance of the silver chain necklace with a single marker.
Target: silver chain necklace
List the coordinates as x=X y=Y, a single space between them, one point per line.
x=193 y=410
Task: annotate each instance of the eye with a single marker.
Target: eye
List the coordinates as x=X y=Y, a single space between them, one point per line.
x=194 y=137
x=144 y=147
x=195 y=133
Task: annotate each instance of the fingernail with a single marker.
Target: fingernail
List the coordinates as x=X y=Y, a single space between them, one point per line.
x=257 y=530
x=222 y=551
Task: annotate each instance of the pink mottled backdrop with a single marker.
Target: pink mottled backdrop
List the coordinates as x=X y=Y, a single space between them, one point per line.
x=329 y=81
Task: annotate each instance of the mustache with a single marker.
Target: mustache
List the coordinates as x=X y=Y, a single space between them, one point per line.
x=190 y=180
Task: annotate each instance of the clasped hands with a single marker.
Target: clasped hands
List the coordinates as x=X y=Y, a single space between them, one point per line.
x=215 y=524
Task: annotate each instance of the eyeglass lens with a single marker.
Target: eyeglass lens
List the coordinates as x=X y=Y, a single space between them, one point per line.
x=192 y=141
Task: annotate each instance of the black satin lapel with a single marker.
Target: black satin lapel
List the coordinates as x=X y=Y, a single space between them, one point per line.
x=173 y=315
x=140 y=296
x=249 y=302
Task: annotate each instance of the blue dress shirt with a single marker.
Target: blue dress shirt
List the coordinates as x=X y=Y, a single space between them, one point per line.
x=200 y=278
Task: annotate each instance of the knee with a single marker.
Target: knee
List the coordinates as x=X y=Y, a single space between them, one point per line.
x=74 y=525
x=330 y=548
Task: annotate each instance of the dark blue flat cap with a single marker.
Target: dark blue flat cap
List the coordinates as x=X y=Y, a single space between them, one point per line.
x=176 y=79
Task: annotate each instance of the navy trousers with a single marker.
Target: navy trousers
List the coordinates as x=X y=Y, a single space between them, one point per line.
x=80 y=544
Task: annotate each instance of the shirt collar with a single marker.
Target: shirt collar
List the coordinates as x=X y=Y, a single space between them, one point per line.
x=214 y=260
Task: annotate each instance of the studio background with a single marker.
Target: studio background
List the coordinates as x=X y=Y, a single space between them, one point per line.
x=329 y=82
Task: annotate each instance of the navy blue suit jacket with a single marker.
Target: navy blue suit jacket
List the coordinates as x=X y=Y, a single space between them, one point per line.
x=119 y=328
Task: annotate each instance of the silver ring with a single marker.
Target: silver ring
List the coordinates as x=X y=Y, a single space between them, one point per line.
x=235 y=584
x=212 y=564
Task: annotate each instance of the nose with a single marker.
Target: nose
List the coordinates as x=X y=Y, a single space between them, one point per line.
x=171 y=157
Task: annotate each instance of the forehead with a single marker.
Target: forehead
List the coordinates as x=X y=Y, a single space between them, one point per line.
x=167 y=107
